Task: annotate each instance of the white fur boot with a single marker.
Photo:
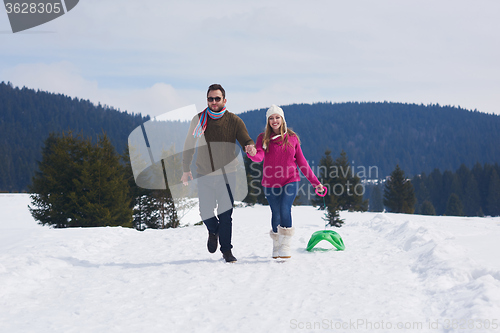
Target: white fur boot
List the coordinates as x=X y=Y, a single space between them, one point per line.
x=285 y=236
x=276 y=243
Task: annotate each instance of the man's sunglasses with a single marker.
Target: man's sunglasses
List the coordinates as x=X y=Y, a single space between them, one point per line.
x=211 y=99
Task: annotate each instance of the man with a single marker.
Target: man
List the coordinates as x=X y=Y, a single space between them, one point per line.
x=215 y=130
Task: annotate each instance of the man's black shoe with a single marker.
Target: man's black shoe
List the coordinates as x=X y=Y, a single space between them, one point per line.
x=213 y=241
x=228 y=256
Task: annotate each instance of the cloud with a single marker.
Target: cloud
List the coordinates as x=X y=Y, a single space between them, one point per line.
x=62 y=77
x=65 y=78
x=153 y=56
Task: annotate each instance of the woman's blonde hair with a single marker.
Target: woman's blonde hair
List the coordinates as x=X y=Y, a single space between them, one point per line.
x=268 y=133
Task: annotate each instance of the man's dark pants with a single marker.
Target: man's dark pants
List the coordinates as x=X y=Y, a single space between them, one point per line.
x=214 y=192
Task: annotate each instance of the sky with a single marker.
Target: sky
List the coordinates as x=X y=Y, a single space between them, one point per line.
x=152 y=57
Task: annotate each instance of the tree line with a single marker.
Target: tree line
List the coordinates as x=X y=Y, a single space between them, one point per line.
x=465 y=192
x=81 y=182
x=474 y=192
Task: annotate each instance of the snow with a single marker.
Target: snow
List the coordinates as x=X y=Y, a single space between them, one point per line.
x=398 y=273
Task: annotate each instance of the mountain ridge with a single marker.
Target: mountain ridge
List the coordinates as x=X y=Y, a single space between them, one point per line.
x=420 y=138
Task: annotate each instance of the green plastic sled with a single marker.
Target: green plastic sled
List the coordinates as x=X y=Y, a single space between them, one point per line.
x=328 y=235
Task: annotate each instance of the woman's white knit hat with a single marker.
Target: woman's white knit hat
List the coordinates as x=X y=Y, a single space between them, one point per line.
x=274 y=109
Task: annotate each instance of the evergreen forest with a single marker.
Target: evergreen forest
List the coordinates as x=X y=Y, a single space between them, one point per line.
x=464 y=192
x=474 y=192
x=27 y=117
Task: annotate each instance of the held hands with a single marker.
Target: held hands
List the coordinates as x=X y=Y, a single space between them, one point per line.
x=250 y=150
x=186 y=176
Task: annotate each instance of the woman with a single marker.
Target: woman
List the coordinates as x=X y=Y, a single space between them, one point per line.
x=279 y=147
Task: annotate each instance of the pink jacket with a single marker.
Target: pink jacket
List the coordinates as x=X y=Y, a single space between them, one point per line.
x=281 y=162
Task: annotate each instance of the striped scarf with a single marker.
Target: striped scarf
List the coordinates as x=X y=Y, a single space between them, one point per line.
x=202 y=124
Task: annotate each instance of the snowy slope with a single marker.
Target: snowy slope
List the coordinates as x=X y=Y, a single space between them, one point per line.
x=398 y=272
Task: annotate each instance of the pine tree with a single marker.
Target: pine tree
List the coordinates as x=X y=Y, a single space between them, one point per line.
x=137 y=195
x=451 y=184
x=325 y=176
x=101 y=194
x=427 y=208
x=332 y=216
x=399 y=196
x=454 y=206
x=346 y=185
x=376 y=200
x=471 y=196
x=53 y=181
x=164 y=208
x=80 y=184
x=437 y=191
x=342 y=182
x=171 y=165
x=493 y=200
x=155 y=209
x=330 y=201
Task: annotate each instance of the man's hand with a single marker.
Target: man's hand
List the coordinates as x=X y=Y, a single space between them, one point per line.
x=186 y=176
x=250 y=150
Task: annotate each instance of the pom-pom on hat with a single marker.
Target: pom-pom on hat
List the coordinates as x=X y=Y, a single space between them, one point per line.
x=274 y=109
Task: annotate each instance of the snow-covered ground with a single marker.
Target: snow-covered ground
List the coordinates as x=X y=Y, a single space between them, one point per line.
x=398 y=272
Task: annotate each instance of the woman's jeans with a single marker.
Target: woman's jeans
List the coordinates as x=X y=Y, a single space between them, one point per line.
x=280 y=200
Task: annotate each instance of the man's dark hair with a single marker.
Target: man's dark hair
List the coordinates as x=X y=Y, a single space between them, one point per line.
x=217 y=86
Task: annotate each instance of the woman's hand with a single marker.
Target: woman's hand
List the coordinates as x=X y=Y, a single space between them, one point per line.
x=319 y=188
